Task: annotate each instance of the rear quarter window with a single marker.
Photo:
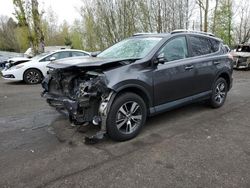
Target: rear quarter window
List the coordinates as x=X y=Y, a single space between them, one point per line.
x=202 y=46
x=74 y=54
x=215 y=45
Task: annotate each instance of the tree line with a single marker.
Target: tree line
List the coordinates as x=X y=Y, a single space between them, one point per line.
x=102 y=23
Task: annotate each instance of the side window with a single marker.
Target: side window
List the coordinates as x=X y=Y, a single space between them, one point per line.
x=64 y=55
x=175 y=49
x=200 y=46
x=55 y=55
x=78 y=54
x=58 y=55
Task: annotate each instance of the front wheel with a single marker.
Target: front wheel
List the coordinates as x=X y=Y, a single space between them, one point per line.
x=219 y=93
x=126 y=117
x=32 y=76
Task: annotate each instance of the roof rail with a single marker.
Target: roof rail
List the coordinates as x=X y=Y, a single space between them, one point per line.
x=192 y=31
x=138 y=34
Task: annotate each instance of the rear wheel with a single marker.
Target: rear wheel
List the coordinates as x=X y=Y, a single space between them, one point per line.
x=126 y=117
x=32 y=76
x=219 y=93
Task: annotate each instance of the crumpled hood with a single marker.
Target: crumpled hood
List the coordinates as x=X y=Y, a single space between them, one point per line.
x=82 y=62
x=241 y=54
x=15 y=59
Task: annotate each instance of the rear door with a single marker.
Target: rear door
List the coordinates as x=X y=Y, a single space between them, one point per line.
x=205 y=53
x=173 y=80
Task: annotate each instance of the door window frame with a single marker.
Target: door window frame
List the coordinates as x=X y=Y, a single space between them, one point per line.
x=165 y=43
x=204 y=55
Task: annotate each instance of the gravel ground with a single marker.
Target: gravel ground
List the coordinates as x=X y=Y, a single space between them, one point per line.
x=194 y=146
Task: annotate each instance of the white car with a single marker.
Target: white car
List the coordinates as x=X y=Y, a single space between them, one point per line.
x=33 y=71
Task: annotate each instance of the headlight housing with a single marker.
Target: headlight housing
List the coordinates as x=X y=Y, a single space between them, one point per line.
x=7 y=65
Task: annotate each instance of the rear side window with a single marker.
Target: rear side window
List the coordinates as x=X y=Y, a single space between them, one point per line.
x=215 y=45
x=78 y=54
x=201 y=46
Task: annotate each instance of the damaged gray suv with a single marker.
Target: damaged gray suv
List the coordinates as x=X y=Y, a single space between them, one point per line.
x=139 y=77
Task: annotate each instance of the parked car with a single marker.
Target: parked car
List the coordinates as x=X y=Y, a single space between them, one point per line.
x=33 y=71
x=3 y=61
x=139 y=77
x=242 y=56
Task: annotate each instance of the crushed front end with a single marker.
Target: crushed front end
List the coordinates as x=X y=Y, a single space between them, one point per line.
x=81 y=94
x=241 y=62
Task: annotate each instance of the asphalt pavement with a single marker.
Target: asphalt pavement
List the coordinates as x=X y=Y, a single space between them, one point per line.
x=194 y=146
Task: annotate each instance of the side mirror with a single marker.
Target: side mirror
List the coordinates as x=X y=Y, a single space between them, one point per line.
x=95 y=54
x=52 y=59
x=161 y=59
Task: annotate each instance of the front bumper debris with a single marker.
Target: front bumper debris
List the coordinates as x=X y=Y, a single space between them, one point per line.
x=71 y=108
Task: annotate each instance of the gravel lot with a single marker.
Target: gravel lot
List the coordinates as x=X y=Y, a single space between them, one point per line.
x=194 y=146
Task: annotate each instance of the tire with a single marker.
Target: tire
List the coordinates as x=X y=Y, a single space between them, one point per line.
x=121 y=123
x=219 y=93
x=32 y=76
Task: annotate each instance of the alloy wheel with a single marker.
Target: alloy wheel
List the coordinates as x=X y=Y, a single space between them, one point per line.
x=220 y=93
x=33 y=77
x=129 y=117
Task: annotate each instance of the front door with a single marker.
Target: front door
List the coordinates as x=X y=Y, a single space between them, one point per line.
x=173 y=80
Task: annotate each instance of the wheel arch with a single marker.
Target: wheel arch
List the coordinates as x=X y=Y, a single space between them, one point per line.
x=226 y=76
x=31 y=68
x=140 y=91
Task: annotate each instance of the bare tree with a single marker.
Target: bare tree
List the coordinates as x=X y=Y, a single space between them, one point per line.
x=21 y=15
x=215 y=15
x=29 y=17
x=38 y=33
x=8 y=40
x=242 y=29
x=204 y=9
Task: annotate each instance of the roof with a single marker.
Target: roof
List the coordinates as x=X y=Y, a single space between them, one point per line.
x=180 y=31
x=75 y=50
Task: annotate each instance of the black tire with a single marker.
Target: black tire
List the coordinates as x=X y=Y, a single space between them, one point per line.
x=131 y=123
x=32 y=76
x=219 y=93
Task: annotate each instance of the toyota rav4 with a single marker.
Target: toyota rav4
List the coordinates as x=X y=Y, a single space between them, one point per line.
x=139 y=77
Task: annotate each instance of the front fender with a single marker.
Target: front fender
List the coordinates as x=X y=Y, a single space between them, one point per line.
x=132 y=85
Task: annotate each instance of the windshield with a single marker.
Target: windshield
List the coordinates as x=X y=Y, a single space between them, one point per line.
x=134 y=48
x=40 y=56
x=243 y=49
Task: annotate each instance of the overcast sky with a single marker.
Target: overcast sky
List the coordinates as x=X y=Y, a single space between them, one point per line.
x=65 y=9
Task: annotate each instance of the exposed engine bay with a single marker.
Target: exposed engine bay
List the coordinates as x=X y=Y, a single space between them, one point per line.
x=79 y=94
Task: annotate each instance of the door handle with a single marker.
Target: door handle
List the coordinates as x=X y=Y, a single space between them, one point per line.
x=189 y=67
x=216 y=62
